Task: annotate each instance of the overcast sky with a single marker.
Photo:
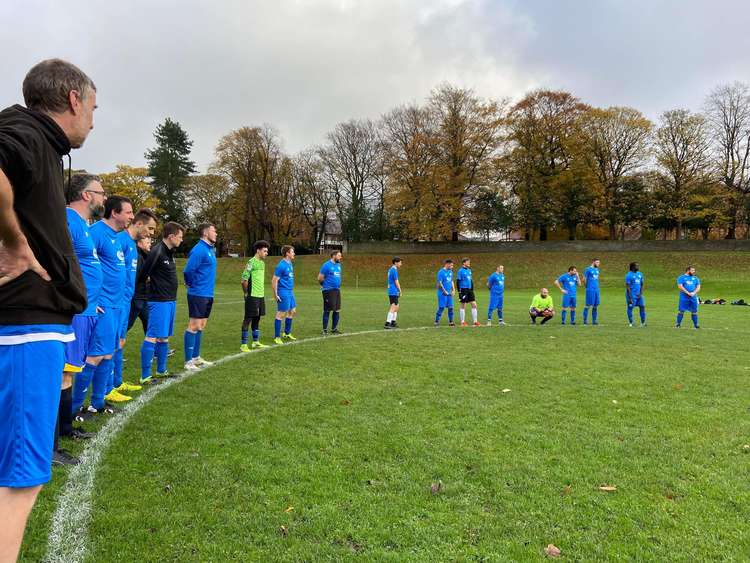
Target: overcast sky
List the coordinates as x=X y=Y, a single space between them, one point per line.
x=304 y=65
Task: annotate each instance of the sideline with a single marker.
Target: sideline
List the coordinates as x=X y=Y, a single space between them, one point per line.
x=69 y=533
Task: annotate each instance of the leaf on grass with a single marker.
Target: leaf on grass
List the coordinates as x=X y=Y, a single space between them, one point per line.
x=284 y=531
x=346 y=402
x=552 y=551
x=167 y=488
x=679 y=387
x=506 y=390
x=553 y=336
x=614 y=402
x=746 y=447
x=289 y=508
x=608 y=488
x=567 y=489
x=436 y=488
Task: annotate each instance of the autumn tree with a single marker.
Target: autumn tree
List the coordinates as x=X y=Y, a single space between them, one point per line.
x=616 y=145
x=131 y=182
x=314 y=200
x=541 y=167
x=728 y=112
x=169 y=166
x=683 y=155
x=212 y=199
x=468 y=134
x=351 y=159
x=252 y=161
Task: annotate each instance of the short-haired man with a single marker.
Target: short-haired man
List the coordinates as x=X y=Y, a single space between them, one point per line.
x=496 y=285
x=568 y=284
x=161 y=271
x=139 y=303
x=689 y=286
x=86 y=198
x=591 y=282
x=446 y=288
x=329 y=279
x=200 y=278
x=465 y=282
x=142 y=227
x=634 y=285
x=41 y=285
x=394 y=293
x=542 y=306
x=253 y=288
x=282 y=284
x=118 y=212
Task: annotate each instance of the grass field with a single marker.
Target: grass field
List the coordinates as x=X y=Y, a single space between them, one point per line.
x=328 y=449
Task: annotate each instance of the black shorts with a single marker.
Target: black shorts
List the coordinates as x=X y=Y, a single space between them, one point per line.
x=254 y=307
x=466 y=295
x=199 y=307
x=331 y=299
x=393 y=299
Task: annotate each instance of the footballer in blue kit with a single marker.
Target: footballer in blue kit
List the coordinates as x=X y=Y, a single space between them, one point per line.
x=634 y=284
x=689 y=285
x=118 y=213
x=282 y=285
x=86 y=198
x=496 y=285
x=200 y=278
x=465 y=284
x=568 y=283
x=141 y=227
x=591 y=282
x=446 y=288
x=329 y=279
x=394 y=293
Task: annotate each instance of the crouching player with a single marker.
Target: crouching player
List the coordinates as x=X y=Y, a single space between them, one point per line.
x=445 y=291
x=283 y=290
x=689 y=286
x=542 y=306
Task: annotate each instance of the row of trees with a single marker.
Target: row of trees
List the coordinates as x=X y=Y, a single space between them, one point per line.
x=459 y=164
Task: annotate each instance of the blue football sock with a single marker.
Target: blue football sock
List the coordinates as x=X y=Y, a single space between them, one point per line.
x=197 y=344
x=643 y=315
x=680 y=316
x=110 y=377
x=594 y=314
x=256 y=335
x=288 y=325
x=450 y=314
x=500 y=314
x=277 y=328
x=162 y=350
x=585 y=315
x=695 y=319
x=81 y=385
x=245 y=334
x=335 y=318
x=99 y=383
x=326 y=316
x=117 y=372
x=439 y=314
x=564 y=315
x=573 y=317
x=147 y=356
x=489 y=314
x=189 y=345
x=630 y=314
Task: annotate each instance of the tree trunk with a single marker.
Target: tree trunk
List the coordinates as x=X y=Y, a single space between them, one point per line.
x=543 y=232
x=612 y=231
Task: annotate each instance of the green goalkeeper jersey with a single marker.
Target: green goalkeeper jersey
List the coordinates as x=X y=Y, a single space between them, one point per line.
x=255 y=271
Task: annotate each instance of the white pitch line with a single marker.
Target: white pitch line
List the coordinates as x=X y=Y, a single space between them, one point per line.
x=68 y=537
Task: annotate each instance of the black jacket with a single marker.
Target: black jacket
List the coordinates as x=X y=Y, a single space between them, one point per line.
x=161 y=271
x=141 y=287
x=31 y=150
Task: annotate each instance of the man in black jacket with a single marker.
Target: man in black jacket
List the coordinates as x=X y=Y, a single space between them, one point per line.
x=161 y=272
x=41 y=286
x=139 y=304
